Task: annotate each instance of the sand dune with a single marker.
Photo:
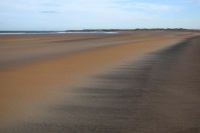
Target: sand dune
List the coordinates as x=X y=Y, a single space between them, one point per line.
x=36 y=67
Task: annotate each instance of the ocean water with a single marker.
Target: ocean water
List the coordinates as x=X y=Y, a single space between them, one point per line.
x=32 y=32
x=53 y=32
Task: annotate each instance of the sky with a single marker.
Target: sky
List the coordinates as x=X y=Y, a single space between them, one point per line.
x=61 y=15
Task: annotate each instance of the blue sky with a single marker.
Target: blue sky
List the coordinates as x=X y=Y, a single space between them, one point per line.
x=98 y=14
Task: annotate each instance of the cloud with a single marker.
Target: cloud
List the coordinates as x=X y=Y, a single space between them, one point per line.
x=49 y=12
x=152 y=6
x=192 y=1
x=90 y=9
x=116 y=5
x=99 y=13
x=92 y=5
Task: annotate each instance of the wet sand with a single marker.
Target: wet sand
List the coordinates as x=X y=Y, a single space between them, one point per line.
x=138 y=94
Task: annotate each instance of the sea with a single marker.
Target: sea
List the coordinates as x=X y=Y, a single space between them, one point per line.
x=53 y=32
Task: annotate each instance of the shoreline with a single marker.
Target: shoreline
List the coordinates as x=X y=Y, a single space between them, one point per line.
x=99 y=31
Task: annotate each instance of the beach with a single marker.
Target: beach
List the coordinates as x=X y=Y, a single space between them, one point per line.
x=136 y=81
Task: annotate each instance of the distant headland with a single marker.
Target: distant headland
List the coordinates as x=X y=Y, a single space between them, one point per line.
x=138 y=29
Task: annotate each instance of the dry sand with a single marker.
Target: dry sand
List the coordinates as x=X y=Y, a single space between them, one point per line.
x=36 y=67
